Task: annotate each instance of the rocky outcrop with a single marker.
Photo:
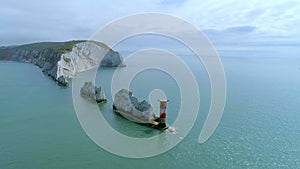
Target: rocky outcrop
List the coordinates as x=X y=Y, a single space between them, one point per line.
x=85 y=56
x=62 y=60
x=129 y=107
x=93 y=93
x=141 y=106
x=61 y=80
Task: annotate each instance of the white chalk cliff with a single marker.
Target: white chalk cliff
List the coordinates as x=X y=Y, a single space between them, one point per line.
x=62 y=60
x=85 y=56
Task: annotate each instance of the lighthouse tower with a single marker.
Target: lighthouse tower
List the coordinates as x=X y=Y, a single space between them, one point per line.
x=162 y=116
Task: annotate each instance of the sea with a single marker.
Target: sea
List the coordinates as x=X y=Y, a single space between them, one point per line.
x=260 y=127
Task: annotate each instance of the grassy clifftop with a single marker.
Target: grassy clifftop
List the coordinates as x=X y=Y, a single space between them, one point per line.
x=58 y=47
x=46 y=55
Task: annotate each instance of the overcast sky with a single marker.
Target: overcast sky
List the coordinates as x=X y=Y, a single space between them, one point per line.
x=29 y=21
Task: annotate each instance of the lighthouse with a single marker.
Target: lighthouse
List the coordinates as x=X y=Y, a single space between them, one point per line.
x=163 y=114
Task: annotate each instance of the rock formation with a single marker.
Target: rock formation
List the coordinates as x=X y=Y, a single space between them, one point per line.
x=129 y=107
x=91 y=92
x=62 y=60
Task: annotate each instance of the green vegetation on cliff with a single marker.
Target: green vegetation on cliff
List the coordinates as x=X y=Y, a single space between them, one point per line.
x=57 y=47
x=46 y=55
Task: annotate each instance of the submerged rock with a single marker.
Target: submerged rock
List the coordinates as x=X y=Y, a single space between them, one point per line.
x=91 y=92
x=129 y=107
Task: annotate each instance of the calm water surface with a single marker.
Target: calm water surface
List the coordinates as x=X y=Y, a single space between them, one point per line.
x=260 y=127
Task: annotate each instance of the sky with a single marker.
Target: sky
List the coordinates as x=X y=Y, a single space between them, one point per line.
x=275 y=22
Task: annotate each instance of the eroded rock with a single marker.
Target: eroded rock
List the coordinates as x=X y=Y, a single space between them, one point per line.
x=91 y=92
x=129 y=107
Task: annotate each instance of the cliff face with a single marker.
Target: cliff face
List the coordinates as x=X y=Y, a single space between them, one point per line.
x=62 y=60
x=86 y=56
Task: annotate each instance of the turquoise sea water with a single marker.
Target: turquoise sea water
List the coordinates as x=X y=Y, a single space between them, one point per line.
x=260 y=127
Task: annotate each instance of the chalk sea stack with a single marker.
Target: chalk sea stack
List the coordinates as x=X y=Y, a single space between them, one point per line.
x=129 y=107
x=93 y=93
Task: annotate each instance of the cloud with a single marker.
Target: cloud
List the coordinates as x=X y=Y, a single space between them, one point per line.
x=34 y=20
x=241 y=29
